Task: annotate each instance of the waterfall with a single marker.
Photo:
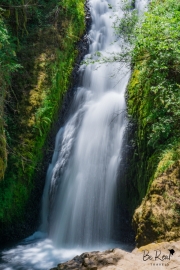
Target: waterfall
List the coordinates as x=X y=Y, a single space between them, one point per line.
x=79 y=195
x=81 y=184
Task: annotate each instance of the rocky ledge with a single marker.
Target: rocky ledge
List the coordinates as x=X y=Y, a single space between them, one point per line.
x=165 y=255
x=158 y=216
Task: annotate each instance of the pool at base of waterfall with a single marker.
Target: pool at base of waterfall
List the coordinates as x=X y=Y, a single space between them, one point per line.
x=38 y=253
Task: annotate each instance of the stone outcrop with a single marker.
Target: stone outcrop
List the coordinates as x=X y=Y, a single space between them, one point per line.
x=158 y=217
x=166 y=255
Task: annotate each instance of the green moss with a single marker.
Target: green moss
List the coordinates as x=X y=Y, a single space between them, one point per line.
x=47 y=54
x=167 y=159
x=157 y=218
x=153 y=105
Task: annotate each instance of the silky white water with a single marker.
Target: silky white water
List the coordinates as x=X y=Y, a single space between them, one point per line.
x=81 y=183
x=82 y=178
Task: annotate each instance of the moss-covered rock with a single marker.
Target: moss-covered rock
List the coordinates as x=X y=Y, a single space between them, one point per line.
x=158 y=216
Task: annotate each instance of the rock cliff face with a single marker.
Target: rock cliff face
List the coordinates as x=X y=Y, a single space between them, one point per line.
x=158 y=216
x=138 y=259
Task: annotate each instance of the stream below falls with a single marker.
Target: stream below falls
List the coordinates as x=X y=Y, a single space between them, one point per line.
x=79 y=199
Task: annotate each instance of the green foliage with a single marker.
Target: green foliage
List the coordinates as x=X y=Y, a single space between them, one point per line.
x=47 y=33
x=7 y=52
x=124 y=27
x=8 y=65
x=154 y=92
x=157 y=48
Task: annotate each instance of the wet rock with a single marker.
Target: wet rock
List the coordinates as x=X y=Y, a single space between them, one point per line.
x=138 y=259
x=93 y=260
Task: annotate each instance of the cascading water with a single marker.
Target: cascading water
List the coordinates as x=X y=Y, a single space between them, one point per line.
x=82 y=179
x=82 y=176
x=79 y=194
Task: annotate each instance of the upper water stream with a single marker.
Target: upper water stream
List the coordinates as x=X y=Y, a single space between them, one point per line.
x=80 y=191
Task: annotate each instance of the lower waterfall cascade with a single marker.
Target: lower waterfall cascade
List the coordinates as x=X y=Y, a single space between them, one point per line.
x=81 y=184
x=82 y=177
x=79 y=195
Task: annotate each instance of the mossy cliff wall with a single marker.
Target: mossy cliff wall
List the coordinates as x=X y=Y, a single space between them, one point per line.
x=41 y=38
x=153 y=181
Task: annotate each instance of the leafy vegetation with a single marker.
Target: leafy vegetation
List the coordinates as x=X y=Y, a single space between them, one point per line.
x=153 y=106
x=42 y=40
x=8 y=65
x=158 y=51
